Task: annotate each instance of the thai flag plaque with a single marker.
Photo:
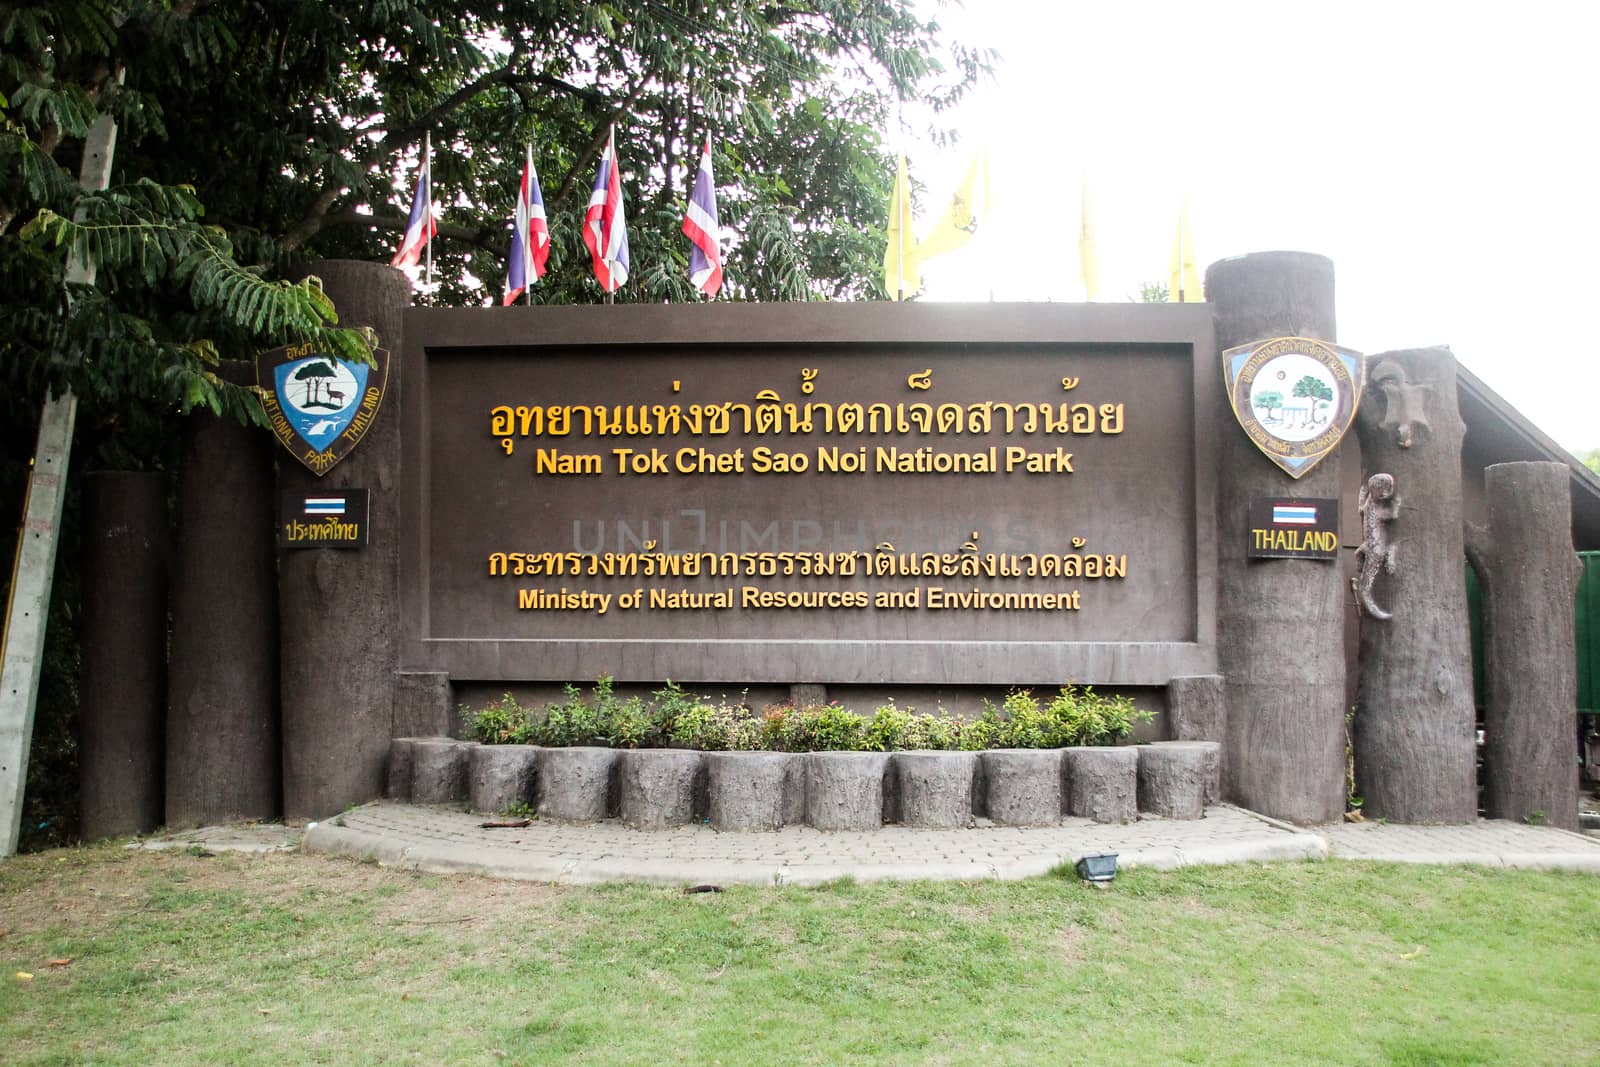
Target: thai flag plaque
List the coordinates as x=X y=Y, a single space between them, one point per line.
x=1282 y=528
x=323 y=518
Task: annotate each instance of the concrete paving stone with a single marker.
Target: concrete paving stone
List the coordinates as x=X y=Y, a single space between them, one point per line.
x=446 y=840
x=232 y=837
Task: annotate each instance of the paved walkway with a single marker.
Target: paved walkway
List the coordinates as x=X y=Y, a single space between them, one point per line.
x=446 y=841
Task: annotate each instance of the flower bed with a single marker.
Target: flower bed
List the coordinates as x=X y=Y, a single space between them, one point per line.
x=674 y=718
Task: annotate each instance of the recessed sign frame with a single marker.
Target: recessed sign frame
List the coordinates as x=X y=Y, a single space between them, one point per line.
x=535 y=550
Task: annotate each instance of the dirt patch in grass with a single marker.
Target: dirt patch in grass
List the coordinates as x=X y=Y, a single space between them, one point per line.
x=463 y=902
x=92 y=889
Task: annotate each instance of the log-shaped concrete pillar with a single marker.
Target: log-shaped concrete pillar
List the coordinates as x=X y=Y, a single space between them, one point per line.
x=122 y=691
x=339 y=607
x=1529 y=573
x=1279 y=622
x=223 y=756
x=1415 y=748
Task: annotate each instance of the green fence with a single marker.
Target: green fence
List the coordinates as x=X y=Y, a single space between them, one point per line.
x=1589 y=634
x=1587 y=618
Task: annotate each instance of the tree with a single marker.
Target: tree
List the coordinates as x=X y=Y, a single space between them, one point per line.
x=253 y=137
x=1270 y=400
x=1591 y=459
x=326 y=110
x=313 y=375
x=1316 y=390
x=324 y=107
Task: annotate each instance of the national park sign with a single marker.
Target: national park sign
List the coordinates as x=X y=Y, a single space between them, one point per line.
x=317 y=404
x=1294 y=396
x=839 y=494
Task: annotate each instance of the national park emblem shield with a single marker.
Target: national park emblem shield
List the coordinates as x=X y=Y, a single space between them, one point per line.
x=1295 y=397
x=317 y=404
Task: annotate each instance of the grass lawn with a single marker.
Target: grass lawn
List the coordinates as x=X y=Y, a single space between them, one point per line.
x=283 y=959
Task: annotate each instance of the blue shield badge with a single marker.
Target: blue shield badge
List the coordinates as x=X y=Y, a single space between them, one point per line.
x=317 y=404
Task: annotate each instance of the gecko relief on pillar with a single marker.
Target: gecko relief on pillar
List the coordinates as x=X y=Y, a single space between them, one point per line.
x=1404 y=402
x=1378 y=506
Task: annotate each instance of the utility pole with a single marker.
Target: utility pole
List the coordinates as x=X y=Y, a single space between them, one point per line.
x=28 y=608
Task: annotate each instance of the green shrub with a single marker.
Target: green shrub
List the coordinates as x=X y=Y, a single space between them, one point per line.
x=1024 y=723
x=570 y=723
x=889 y=729
x=505 y=722
x=1089 y=718
x=1074 y=716
x=716 y=728
x=826 y=728
x=670 y=701
x=933 y=732
x=622 y=723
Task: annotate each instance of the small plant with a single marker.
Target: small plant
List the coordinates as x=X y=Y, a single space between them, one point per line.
x=670 y=702
x=621 y=723
x=889 y=729
x=716 y=728
x=828 y=728
x=1534 y=818
x=505 y=722
x=519 y=810
x=1352 y=799
x=572 y=722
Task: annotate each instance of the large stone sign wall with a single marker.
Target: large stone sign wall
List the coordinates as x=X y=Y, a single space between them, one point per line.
x=987 y=494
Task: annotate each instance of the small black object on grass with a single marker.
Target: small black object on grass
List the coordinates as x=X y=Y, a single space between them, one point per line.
x=1098 y=869
x=702 y=889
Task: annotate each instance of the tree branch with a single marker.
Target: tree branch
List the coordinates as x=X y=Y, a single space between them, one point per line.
x=312 y=224
x=487 y=238
x=598 y=141
x=407 y=134
x=315 y=220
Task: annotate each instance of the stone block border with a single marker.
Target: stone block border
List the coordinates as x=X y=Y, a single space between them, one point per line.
x=659 y=789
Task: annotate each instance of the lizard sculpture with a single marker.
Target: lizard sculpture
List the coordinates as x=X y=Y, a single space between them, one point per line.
x=1378 y=506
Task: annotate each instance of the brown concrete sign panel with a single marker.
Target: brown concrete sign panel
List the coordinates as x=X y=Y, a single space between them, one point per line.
x=981 y=494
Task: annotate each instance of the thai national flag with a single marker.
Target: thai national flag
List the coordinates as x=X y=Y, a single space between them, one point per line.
x=530 y=235
x=605 y=229
x=1294 y=515
x=324 y=505
x=423 y=227
x=700 y=226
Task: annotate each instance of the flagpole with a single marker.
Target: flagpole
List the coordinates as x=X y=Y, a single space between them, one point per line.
x=900 y=271
x=527 y=250
x=427 y=223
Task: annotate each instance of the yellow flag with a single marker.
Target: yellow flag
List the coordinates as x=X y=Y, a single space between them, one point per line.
x=1183 y=277
x=1086 y=254
x=902 y=276
x=967 y=209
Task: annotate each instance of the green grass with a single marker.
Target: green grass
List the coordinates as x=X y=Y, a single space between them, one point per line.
x=277 y=960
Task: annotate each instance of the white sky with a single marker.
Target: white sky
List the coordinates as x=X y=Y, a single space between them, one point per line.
x=1442 y=155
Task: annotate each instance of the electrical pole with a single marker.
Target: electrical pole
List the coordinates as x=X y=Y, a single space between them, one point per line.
x=28 y=608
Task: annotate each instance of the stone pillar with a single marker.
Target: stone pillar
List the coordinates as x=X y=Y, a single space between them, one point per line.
x=1279 y=622
x=122 y=698
x=1530 y=576
x=339 y=608
x=1415 y=747
x=223 y=757
x=422 y=705
x=808 y=695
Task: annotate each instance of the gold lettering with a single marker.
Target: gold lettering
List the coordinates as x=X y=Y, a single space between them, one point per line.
x=554 y=461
